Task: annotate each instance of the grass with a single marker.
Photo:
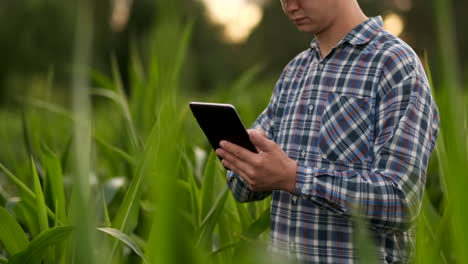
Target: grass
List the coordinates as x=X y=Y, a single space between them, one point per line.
x=128 y=180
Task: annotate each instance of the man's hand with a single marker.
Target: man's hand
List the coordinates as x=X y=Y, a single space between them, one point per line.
x=270 y=169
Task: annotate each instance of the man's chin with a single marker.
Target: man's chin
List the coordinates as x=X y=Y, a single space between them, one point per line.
x=305 y=29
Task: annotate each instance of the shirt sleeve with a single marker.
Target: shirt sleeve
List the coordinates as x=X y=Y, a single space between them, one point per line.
x=389 y=194
x=266 y=122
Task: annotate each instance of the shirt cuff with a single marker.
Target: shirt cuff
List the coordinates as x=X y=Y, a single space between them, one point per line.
x=321 y=190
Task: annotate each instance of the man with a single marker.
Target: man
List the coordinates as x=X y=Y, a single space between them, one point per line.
x=347 y=134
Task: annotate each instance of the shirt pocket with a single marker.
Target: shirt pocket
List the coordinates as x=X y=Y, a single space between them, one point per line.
x=345 y=129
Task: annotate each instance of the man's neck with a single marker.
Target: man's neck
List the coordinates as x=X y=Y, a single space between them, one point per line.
x=349 y=17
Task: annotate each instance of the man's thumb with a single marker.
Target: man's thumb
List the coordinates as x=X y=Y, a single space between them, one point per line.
x=260 y=141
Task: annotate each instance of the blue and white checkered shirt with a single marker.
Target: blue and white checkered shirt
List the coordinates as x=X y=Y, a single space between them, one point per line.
x=361 y=124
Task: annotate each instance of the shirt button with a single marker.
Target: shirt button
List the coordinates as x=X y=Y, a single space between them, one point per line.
x=320 y=66
x=291 y=244
x=303 y=153
x=294 y=199
x=311 y=108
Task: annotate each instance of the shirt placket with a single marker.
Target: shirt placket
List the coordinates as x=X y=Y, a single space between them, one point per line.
x=302 y=142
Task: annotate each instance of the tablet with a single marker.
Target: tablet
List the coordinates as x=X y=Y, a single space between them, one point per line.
x=221 y=122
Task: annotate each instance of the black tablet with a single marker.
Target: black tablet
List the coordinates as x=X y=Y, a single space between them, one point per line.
x=221 y=122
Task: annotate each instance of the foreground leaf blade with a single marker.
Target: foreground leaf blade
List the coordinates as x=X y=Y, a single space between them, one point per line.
x=40 y=201
x=55 y=179
x=37 y=249
x=12 y=236
x=126 y=240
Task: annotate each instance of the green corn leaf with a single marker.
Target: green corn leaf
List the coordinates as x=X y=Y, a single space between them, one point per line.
x=57 y=212
x=367 y=252
x=66 y=153
x=195 y=197
x=126 y=217
x=182 y=51
x=208 y=191
x=102 y=80
x=124 y=104
x=12 y=236
x=107 y=220
x=184 y=190
x=117 y=151
x=28 y=140
x=126 y=240
x=24 y=210
x=432 y=230
x=30 y=194
x=41 y=208
x=37 y=249
x=244 y=216
x=17 y=181
x=209 y=222
x=50 y=107
x=119 y=99
x=226 y=229
x=3 y=195
x=55 y=179
x=137 y=78
x=260 y=225
x=223 y=248
x=40 y=202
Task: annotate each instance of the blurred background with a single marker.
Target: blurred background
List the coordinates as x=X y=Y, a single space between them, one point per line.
x=95 y=130
x=229 y=36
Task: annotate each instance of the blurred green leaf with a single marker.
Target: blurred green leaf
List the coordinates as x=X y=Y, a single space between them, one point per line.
x=102 y=81
x=17 y=181
x=55 y=179
x=366 y=250
x=126 y=240
x=119 y=99
x=124 y=105
x=208 y=191
x=205 y=233
x=260 y=225
x=37 y=249
x=126 y=217
x=117 y=151
x=40 y=202
x=12 y=235
x=107 y=220
x=194 y=197
x=41 y=207
x=24 y=210
x=244 y=215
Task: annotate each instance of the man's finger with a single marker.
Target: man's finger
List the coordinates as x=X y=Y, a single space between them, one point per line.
x=236 y=163
x=239 y=152
x=261 y=142
x=236 y=170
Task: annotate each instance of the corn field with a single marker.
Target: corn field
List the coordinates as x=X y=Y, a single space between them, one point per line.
x=128 y=177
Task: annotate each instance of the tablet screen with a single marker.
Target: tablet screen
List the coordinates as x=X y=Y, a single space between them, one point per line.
x=221 y=122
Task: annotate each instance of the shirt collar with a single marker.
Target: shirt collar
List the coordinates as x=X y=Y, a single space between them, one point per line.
x=361 y=34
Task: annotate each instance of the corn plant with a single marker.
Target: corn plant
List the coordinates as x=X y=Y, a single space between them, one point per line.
x=65 y=211
x=123 y=176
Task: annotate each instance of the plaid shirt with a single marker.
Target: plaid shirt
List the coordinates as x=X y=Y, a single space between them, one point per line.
x=361 y=124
